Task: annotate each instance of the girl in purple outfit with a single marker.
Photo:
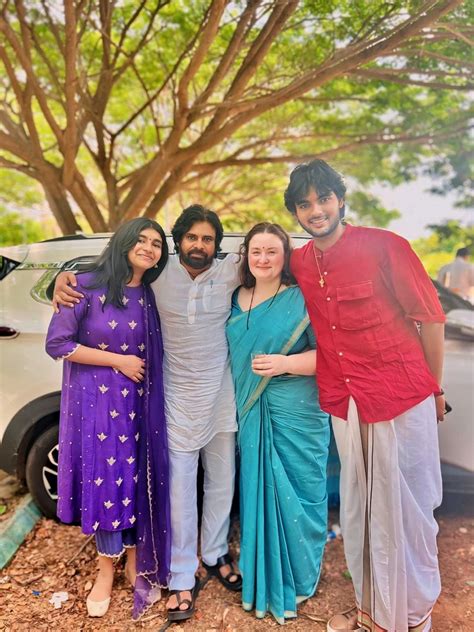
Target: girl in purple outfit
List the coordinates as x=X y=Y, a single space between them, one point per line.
x=113 y=452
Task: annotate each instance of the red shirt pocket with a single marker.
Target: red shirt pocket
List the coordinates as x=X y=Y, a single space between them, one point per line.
x=357 y=306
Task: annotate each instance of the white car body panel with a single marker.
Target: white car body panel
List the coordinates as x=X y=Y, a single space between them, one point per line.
x=456 y=433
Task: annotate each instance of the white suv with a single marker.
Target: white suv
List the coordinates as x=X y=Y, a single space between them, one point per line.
x=31 y=380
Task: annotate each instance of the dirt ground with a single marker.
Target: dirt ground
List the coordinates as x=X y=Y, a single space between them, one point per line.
x=58 y=558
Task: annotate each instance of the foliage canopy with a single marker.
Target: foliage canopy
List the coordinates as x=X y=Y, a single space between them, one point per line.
x=133 y=107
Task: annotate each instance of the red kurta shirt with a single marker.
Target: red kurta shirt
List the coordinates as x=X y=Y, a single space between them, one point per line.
x=365 y=319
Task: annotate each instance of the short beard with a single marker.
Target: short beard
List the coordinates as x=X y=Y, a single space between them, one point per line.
x=196 y=264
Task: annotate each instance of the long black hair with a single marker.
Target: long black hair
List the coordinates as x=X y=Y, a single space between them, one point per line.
x=112 y=269
x=190 y=216
x=246 y=277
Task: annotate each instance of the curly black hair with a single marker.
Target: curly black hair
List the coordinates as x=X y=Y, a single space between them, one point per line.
x=317 y=175
x=191 y=215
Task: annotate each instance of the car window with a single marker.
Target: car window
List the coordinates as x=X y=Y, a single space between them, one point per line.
x=74 y=265
x=6 y=266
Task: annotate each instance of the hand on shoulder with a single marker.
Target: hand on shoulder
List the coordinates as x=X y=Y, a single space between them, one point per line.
x=64 y=292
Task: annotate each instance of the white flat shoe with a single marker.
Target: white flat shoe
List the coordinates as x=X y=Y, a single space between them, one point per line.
x=97 y=608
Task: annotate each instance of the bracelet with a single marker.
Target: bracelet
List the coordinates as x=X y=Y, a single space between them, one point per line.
x=439 y=393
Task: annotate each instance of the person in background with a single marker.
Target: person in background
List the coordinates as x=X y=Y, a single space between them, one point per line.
x=113 y=452
x=283 y=434
x=380 y=333
x=458 y=275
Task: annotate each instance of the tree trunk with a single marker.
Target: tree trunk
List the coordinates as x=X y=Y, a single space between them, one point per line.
x=61 y=209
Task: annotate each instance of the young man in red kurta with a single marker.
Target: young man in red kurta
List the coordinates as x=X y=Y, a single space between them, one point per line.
x=380 y=336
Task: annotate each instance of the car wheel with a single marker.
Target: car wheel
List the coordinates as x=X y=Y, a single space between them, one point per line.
x=42 y=471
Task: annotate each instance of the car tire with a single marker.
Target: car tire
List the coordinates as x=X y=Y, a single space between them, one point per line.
x=42 y=471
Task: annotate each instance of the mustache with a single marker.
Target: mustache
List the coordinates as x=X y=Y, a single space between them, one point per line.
x=196 y=251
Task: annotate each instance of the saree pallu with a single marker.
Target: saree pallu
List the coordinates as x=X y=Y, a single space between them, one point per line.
x=283 y=441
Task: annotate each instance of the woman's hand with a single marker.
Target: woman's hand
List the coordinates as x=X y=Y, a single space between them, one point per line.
x=132 y=366
x=269 y=365
x=64 y=292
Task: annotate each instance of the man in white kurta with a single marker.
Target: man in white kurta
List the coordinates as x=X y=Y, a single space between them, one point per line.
x=194 y=305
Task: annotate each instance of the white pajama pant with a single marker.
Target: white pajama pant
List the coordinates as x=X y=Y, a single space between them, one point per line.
x=218 y=460
x=390 y=485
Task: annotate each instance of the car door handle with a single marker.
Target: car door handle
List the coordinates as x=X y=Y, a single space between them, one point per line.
x=7 y=333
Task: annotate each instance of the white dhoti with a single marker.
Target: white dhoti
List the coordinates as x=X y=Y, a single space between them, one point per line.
x=218 y=460
x=390 y=485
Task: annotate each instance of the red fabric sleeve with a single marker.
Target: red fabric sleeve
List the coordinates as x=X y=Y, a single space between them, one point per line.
x=413 y=288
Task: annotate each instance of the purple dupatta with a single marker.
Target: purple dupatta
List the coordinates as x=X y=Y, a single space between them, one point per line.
x=152 y=500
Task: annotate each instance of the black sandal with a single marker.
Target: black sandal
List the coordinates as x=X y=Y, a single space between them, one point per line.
x=175 y=614
x=224 y=579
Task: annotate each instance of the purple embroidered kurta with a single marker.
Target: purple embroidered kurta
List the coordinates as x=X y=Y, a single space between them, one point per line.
x=113 y=451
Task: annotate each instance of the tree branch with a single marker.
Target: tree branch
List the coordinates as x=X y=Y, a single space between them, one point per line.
x=70 y=133
x=155 y=169
x=52 y=27
x=26 y=114
x=422 y=52
x=45 y=58
x=130 y=57
x=87 y=203
x=343 y=61
x=208 y=32
x=22 y=52
x=201 y=170
x=393 y=77
x=260 y=46
x=230 y=54
x=159 y=90
x=126 y=28
x=456 y=33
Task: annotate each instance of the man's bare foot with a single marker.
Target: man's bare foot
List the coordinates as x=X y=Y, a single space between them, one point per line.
x=344 y=622
x=172 y=602
x=228 y=571
x=225 y=572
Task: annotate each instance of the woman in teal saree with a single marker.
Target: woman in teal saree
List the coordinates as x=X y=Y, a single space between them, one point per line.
x=283 y=434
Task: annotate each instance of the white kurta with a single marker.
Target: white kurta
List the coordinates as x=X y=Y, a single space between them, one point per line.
x=199 y=392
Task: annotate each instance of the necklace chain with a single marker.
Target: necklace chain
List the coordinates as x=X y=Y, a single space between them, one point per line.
x=321 y=281
x=251 y=302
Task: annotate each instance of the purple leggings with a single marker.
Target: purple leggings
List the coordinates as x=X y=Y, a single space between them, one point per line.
x=113 y=543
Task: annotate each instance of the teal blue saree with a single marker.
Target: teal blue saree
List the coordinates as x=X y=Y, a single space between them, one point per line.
x=283 y=440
